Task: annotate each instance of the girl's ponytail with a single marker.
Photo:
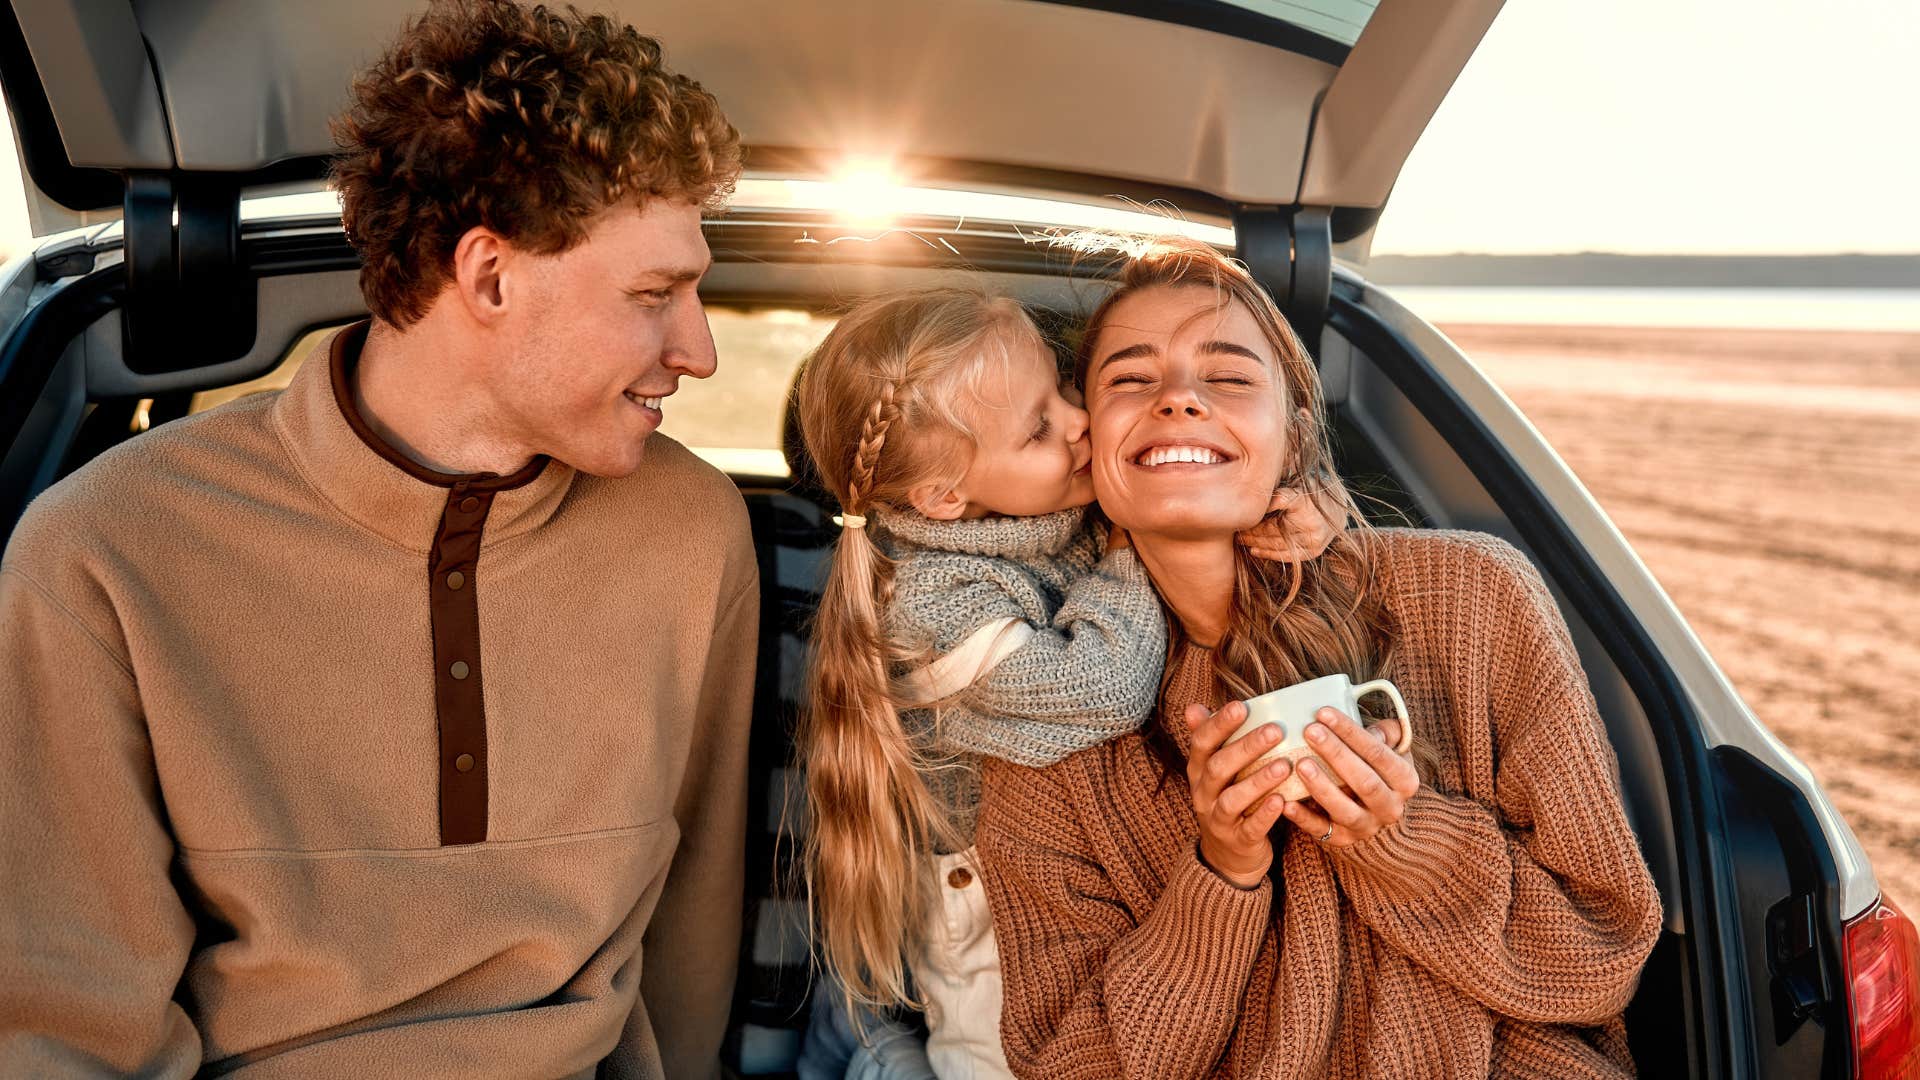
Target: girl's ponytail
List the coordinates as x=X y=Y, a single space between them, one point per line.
x=877 y=410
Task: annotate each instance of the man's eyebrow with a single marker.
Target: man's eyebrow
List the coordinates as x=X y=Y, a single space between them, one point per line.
x=1131 y=352
x=673 y=274
x=1228 y=348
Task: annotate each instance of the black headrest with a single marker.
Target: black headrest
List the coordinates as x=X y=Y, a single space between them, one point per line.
x=793 y=446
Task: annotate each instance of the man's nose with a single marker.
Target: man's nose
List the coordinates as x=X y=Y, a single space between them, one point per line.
x=689 y=346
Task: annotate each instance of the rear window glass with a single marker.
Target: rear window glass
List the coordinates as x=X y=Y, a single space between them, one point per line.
x=1341 y=20
x=732 y=419
x=1322 y=29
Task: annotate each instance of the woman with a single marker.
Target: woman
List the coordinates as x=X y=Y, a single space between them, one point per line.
x=1485 y=913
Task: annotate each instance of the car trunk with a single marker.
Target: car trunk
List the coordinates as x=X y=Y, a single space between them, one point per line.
x=1288 y=121
x=1289 y=117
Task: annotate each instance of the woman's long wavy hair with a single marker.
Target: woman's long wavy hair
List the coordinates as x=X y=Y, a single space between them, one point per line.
x=881 y=411
x=1288 y=622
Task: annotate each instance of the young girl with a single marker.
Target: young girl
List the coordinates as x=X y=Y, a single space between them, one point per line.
x=971 y=611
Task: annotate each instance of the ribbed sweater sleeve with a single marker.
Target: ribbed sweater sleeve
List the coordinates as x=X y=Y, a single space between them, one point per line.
x=1089 y=675
x=93 y=937
x=1091 y=990
x=1549 y=918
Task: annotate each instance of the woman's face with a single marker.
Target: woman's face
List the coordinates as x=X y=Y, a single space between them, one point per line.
x=1188 y=414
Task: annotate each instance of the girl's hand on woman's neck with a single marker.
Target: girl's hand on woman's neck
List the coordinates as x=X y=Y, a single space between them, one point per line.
x=1196 y=579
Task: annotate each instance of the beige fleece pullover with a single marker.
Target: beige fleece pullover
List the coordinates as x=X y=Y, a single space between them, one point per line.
x=1498 y=929
x=316 y=763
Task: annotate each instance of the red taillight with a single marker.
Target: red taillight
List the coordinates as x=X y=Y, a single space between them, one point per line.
x=1883 y=994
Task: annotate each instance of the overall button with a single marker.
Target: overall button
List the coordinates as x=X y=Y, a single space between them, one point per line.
x=456 y=580
x=459 y=669
x=469 y=504
x=464 y=763
x=960 y=877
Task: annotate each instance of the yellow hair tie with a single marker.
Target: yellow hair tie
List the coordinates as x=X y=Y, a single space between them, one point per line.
x=850 y=521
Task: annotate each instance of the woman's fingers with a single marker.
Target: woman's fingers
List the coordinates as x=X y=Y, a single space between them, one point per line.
x=1311 y=823
x=1211 y=766
x=1237 y=799
x=1210 y=729
x=1257 y=824
x=1336 y=804
x=1363 y=759
x=1231 y=760
x=1386 y=731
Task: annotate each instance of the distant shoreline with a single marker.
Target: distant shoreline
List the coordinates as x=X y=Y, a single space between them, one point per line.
x=1593 y=269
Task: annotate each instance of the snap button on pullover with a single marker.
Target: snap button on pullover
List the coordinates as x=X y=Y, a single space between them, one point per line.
x=469 y=504
x=960 y=877
x=456 y=579
x=464 y=763
x=459 y=669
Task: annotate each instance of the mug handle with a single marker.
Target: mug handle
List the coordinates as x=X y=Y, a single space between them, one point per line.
x=1382 y=686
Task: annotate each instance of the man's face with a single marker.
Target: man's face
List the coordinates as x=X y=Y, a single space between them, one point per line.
x=601 y=334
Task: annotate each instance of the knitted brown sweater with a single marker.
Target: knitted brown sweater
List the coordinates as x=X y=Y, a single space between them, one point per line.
x=1498 y=929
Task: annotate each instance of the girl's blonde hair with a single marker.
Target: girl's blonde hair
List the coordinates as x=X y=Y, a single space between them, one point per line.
x=880 y=406
x=1288 y=622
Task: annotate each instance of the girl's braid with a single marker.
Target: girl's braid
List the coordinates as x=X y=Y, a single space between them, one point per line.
x=873 y=435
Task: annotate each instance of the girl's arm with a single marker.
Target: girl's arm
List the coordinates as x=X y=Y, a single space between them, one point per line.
x=1091 y=991
x=1037 y=694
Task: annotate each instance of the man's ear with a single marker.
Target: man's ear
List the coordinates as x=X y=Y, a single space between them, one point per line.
x=480 y=262
x=938 y=501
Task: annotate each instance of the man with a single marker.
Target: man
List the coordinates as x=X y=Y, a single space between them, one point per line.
x=396 y=724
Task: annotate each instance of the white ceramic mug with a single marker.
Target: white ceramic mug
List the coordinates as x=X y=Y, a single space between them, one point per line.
x=1292 y=708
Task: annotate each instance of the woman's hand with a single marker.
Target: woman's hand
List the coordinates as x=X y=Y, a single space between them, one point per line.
x=1234 y=818
x=1298 y=527
x=1381 y=780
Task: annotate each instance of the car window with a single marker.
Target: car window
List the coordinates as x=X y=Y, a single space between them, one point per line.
x=732 y=419
x=1341 y=20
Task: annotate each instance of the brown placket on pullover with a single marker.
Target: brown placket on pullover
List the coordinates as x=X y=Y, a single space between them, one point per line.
x=453 y=599
x=454 y=604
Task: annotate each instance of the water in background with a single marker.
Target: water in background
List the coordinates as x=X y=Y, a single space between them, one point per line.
x=1801 y=309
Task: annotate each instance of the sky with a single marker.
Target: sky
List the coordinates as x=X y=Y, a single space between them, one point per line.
x=1644 y=126
x=1674 y=126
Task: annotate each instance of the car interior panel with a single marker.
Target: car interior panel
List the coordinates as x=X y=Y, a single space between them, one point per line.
x=1398 y=463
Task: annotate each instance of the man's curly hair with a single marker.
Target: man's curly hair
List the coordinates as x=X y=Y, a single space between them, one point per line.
x=527 y=121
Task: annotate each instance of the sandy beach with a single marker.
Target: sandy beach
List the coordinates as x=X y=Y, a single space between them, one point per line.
x=1771 y=480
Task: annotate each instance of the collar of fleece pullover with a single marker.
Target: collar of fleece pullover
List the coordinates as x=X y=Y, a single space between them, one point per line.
x=383 y=490
x=1020 y=538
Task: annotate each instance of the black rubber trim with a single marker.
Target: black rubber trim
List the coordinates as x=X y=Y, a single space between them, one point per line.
x=1811 y=869
x=279 y=249
x=1352 y=221
x=1707 y=880
x=1226 y=19
x=29 y=354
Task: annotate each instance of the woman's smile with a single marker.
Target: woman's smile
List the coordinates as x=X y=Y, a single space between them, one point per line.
x=1179 y=455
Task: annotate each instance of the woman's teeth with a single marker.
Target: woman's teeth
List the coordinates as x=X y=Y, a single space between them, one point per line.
x=649 y=402
x=1162 y=455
